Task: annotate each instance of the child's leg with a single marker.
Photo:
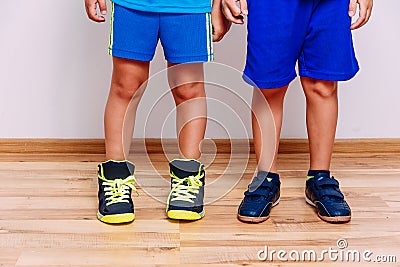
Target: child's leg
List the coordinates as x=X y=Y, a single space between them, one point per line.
x=262 y=122
x=322 y=190
x=132 y=48
x=187 y=41
x=127 y=78
x=115 y=176
x=264 y=190
x=187 y=86
x=186 y=82
x=322 y=115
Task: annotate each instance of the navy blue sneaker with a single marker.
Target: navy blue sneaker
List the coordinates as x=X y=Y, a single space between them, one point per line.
x=262 y=194
x=116 y=182
x=322 y=192
x=185 y=201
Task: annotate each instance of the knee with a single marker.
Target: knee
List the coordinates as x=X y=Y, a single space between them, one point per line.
x=320 y=89
x=188 y=91
x=127 y=87
x=272 y=93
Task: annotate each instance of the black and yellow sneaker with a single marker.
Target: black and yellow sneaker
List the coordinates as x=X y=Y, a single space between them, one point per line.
x=185 y=201
x=116 y=182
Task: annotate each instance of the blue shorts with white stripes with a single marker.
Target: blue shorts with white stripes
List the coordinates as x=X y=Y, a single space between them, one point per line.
x=186 y=38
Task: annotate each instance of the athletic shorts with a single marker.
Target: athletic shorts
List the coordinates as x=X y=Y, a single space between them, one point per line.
x=314 y=33
x=185 y=37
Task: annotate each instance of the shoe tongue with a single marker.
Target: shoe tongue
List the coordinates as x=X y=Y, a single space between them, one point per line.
x=185 y=168
x=117 y=169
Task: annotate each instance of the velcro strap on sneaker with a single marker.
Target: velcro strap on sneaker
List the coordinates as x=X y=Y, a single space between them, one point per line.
x=265 y=184
x=327 y=181
x=262 y=190
x=331 y=193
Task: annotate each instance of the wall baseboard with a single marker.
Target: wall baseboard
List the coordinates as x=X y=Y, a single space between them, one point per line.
x=154 y=145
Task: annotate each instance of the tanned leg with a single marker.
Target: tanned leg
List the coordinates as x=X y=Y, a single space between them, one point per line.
x=262 y=123
x=322 y=115
x=127 y=85
x=186 y=82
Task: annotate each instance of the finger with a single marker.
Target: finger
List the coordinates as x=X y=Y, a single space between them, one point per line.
x=352 y=8
x=361 y=18
x=369 y=12
x=92 y=13
x=228 y=25
x=217 y=37
x=243 y=7
x=233 y=7
x=229 y=16
x=103 y=7
x=215 y=33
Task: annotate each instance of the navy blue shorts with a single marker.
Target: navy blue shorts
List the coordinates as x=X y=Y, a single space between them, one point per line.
x=185 y=37
x=314 y=33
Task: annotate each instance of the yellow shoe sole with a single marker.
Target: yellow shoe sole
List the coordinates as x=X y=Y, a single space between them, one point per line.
x=185 y=215
x=116 y=218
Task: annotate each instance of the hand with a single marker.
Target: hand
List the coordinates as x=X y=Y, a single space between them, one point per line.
x=232 y=12
x=365 y=7
x=220 y=24
x=91 y=10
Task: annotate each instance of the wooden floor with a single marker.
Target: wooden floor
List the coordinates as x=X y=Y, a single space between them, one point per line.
x=48 y=206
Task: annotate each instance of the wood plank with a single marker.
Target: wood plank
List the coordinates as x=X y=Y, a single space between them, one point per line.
x=98 y=257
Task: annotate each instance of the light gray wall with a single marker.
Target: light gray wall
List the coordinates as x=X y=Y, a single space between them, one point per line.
x=55 y=75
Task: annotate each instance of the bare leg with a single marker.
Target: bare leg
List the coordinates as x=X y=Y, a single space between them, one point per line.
x=322 y=114
x=267 y=110
x=186 y=82
x=262 y=123
x=127 y=78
